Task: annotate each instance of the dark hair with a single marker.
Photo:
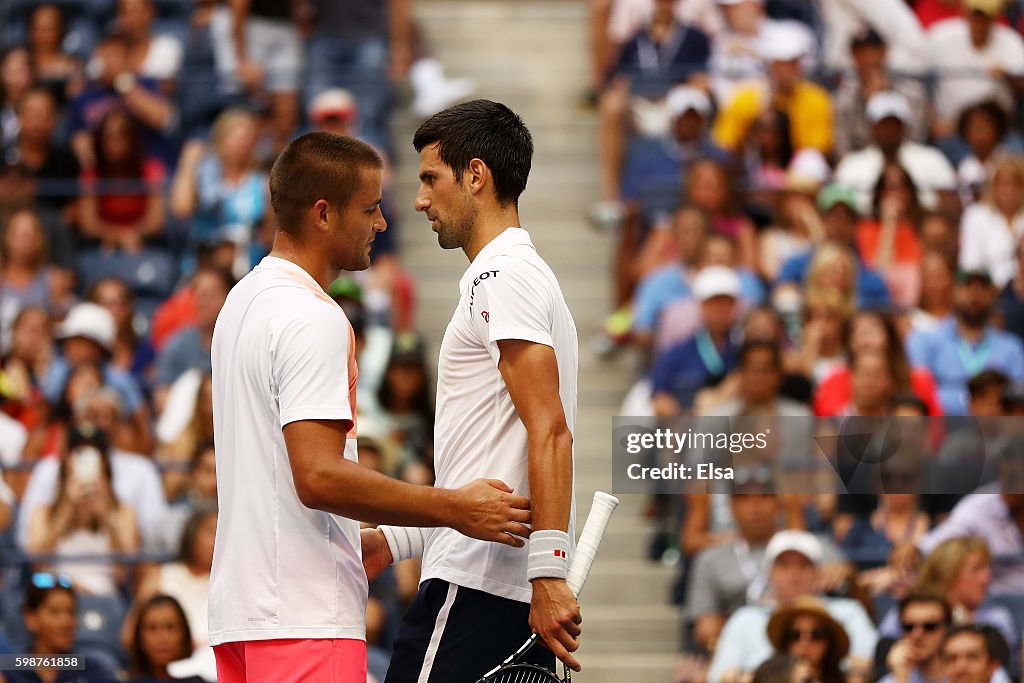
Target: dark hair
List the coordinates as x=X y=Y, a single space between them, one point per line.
x=483 y=130
x=93 y=295
x=140 y=666
x=876 y=195
x=64 y=411
x=918 y=596
x=4 y=54
x=776 y=669
x=197 y=453
x=131 y=167
x=989 y=109
x=40 y=90
x=995 y=645
x=899 y=365
x=317 y=166
x=62 y=20
x=750 y=347
x=912 y=401
x=35 y=595
x=226 y=279
x=781 y=125
x=188 y=535
x=985 y=380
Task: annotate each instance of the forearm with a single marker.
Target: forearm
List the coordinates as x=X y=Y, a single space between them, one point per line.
x=550 y=472
x=239 y=17
x=151 y=109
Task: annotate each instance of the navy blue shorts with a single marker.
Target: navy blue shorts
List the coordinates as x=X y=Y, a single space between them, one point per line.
x=453 y=634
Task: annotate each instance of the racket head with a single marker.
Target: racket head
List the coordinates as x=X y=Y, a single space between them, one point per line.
x=522 y=673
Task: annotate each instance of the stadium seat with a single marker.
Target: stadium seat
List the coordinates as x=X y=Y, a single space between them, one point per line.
x=99 y=628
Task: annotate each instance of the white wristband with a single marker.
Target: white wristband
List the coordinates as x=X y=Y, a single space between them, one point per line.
x=549 y=555
x=405 y=542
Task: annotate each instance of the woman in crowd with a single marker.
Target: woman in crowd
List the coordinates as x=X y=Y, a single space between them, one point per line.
x=784 y=669
x=161 y=636
x=991 y=228
x=708 y=188
x=825 y=315
x=16 y=78
x=983 y=127
x=57 y=71
x=176 y=453
x=132 y=354
x=935 y=304
x=122 y=197
x=408 y=408
x=806 y=630
x=25 y=276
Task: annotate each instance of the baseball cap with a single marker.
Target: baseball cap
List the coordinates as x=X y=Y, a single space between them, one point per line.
x=333 y=102
x=990 y=8
x=832 y=195
x=782 y=41
x=683 y=98
x=716 y=281
x=90 y=321
x=887 y=103
x=798 y=541
x=966 y=275
x=408 y=349
x=807 y=171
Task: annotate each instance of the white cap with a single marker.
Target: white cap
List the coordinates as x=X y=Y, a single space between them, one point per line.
x=683 y=98
x=783 y=41
x=798 y=541
x=92 y=322
x=737 y=2
x=716 y=281
x=887 y=103
x=808 y=170
x=334 y=101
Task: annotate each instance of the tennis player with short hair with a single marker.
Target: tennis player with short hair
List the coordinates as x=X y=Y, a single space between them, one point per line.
x=506 y=407
x=288 y=590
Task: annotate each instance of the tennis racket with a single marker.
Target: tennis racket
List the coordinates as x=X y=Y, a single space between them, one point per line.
x=514 y=669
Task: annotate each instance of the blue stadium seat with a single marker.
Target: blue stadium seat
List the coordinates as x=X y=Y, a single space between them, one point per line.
x=99 y=628
x=150 y=273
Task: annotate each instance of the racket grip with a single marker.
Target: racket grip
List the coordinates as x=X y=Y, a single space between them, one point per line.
x=586 y=548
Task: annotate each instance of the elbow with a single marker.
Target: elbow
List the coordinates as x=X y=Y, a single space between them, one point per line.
x=309 y=491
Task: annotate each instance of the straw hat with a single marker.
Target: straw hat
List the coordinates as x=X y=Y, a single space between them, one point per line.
x=809 y=606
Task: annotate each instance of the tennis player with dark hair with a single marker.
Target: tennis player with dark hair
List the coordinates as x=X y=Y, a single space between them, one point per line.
x=506 y=408
x=288 y=590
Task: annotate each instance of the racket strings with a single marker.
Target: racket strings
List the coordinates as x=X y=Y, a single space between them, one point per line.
x=523 y=673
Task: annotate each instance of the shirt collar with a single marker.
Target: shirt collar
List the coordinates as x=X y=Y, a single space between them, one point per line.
x=509 y=237
x=284 y=264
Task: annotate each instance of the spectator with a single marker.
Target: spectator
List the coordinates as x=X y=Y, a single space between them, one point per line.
x=708 y=188
x=830 y=300
x=805 y=629
x=161 y=636
x=122 y=198
x=223 y=194
x=873 y=385
x=85 y=518
x=963 y=347
x=984 y=127
x=131 y=353
x=975 y=59
x=407 y=406
x=973 y=654
x=199 y=493
x=792 y=563
x=22 y=367
x=784 y=669
x=156 y=57
x=907 y=52
x=990 y=229
x=890 y=117
x=49 y=613
x=25 y=276
x=935 y=305
x=1011 y=299
x=915 y=657
x=57 y=71
x=16 y=78
x=190 y=348
x=807 y=105
x=760 y=377
x=680 y=371
x=174 y=453
x=871 y=75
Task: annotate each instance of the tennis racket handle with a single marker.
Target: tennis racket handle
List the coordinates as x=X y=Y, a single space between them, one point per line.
x=586 y=548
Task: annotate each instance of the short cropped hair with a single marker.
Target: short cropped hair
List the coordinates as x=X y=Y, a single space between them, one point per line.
x=317 y=166
x=483 y=130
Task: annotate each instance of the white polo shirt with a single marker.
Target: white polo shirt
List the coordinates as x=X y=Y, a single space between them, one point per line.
x=283 y=351
x=508 y=292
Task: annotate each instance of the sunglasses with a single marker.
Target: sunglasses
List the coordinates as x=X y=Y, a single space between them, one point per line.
x=46 y=580
x=926 y=626
x=814 y=634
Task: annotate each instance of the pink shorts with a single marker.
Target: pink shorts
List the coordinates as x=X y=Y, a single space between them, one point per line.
x=309 y=660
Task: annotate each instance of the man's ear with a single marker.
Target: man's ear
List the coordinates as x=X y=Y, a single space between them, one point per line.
x=320 y=214
x=476 y=176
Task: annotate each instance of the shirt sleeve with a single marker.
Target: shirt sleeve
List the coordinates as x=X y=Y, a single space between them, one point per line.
x=310 y=361
x=508 y=301
x=700 y=593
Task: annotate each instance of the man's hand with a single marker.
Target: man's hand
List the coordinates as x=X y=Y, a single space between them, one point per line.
x=250 y=75
x=487 y=510
x=376 y=553
x=555 y=615
x=899 y=662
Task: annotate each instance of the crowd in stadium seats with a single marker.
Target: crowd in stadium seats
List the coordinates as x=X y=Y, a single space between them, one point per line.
x=136 y=137
x=820 y=213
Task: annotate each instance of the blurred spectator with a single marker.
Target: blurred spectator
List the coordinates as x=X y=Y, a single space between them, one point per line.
x=24 y=364
x=968 y=344
x=131 y=353
x=888 y=241
x=873 y=385
x=161 y=636
x=830 y=300
x=87 y=337
x=935 y=305
x=973 y=654
x=931 y=12
x=85 y=519
x=796 y=225
x=807 y=105
x=680 y=371
x=259 y=53
x=179 y=449
x=839 y=211
x=975 y=59
x=868 y=539
x=1011 y=299
x=990 y=229
x=890 y=117
x=984 y=127
x=26 y=279
x=874 y=331
x=805 y=629
x=190 y=348
x=792 y=563
x=158 y=57
x=198 y=493
x=709 y=189
x=843 y=20
x=16 y=77
x=760 y=377
x=784 y=669
x=50 y=615
x=116 y=86
x=914 y=658
x=871 y=75
x=986 y=390
x=766 y=152
x=57 y=71
x=407 y=407
x=13 y=438
x=223 y=194
x=122 y=196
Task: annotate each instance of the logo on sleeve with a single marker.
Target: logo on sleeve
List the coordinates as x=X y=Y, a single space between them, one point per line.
x=479 y=278
x=486 y=316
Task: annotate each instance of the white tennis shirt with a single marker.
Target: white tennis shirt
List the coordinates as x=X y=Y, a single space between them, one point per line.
x=282 y=351
x=508 y=292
